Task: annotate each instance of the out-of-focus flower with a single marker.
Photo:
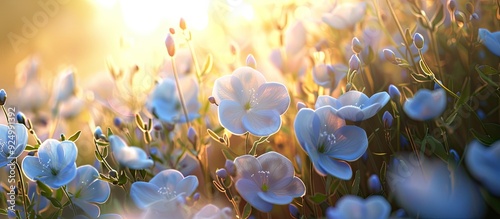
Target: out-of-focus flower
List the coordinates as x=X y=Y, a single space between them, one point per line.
x=71 y=107
x=428 y=189
x=165 y=102
x=55 y=164
x=354 y=207
x=292 y=60
x=354 y=62
x=374 y=183
x=328 y=141
x=13 y=140
x=345 y=15
x=31 y=94
x=267 y=180
x=131 y=157
x=86 y=189
x=65 y=86
x=490 y=40
x=329 y=76
x=164 y=195
x=102 y=216
x=213 y=212
x=229 y=166
x=484 y=163
x=425 y=104
x=354 y=105
x=247 y=103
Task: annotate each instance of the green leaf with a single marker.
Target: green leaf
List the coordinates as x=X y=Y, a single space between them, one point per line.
x=102 y=143
x=75 y=136
x=213 y=135
x=487 y=70
x=437 y=148
x=44 y=188
x=383 y=171
x=355 y=184
x=318 y=198
x=54 y=202
x=105 y=152
x=3 y=211
x=123 y=178
x=32 y=147
x=335 y=185
x=247 y=210
x=207 y=67
x=425 y=68
x=98 y=156
x=438 y=18
x=109 y=132
x=483 y=71
x=464 y=94
x=484 y=139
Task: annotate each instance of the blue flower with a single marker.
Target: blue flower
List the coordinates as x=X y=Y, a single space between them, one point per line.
x=293 y=59
x=354 y=207
x=345 y=15
x=164 y=194
x=428 y=189
x=329 y=76
x=328 y=141
x=490 y=40
x=354 y=105
x=65 y=87
x=248 y=104
x=55 y=164
x=13 y=140
x=213 y=212
x=165 y=102
x=86 y=189
x=131 y=157
x=267 y=180
x=425 y=104
x=484 y=164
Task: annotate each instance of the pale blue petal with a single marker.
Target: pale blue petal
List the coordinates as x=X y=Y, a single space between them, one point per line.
x=69 y=153
x=327 y=101
x=246 y=166
x=116 y=143
x=484 y=163
x=48 y=151
x=62 y=178
x=377 y=207
x=276 y=59
x=250 y=79
x=381 y=98
x=167 y=178
x=249 y=191
x=295 y=188
x=351 y=113
x=339 y=169
x=187 y=185
x=354 y=98
x=270 y=197
x=262 y=122
x=271 y=96
x=32 y=168
x=278 y=165
x=425 y=104
x=370 y=110
x=145 y=194
x=134 y=158
x=231 y=115
x=90 y=209
x=21 y=139
x=329 y=122
x=350 y=143
x=303 y=126
x=322 y=75
x=490 y=41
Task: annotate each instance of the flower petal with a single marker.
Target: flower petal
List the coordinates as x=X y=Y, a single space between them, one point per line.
x=167 y=178
x=279 y=167
x=262 y=122
x=425 y=104
x=273 y=198
x=305 y=128
x=144 y=194
x=381 y=98
x=134 y=158
x=230 y=116
x=351 y=113
x=350 y=143
x=377 y=206
x=271 y=96
x=228 y=88
x=484 y=163
x=89 y=208
x=187 y=185
x=339 y=169
x=32 y=168
x=490 y=41
x=246 y=166
x=248 y=191
x=329 y=122
x=354 y=98
x=327 y=101
x=295 y=188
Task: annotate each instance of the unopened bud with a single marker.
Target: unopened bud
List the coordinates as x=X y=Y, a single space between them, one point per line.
x=469 y=7
x=455 y=155
x=221 y=173
x=21 y=118
x=394 y=93
x=3 y=97
x=192 y=136
x=452 y=5
x=356 y=45
x=474 y=16
x=294 y=211
x=251 y=61
x=460 y=16
x=196 y=196
x=354 y=63
x=117 y=122
x=98 y=133
x=171 y=30
x=182 y=24
x=387 y=118
x=211 y=99
x=230 y=167
x=170 y=44
x=113 y=174
x=390 y=56
x=374 y=184
x=418 y=40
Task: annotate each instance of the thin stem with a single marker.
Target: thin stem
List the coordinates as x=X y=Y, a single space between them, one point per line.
x=22 y=186
x=181 y=96
x=400 y=31
x=5 y=113
x=70 y=201
x=195 y=60
x=247 y=136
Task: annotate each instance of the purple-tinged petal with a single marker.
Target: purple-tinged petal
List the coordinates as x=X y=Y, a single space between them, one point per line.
x=305 y=128
x=278 y=165
x=425 y=104
x=351 y=113
x=354 y=98
x=168 y=177
x=246 y=166
x=89 y=208
x=187 y=185
x=249 y=191
x=327 y=101
x=271 y=96
x=294 y=188
x=262 y=122
x=273 y=198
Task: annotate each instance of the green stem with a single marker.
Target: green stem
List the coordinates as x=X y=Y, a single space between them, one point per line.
x=195 y=60
x=181 y=96
x=70 y=201
x=23 y=191
x=5 y=113
x=393 y=14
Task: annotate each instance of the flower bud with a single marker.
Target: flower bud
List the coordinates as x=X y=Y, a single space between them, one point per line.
x=211 y=99
x=452 y=5
x=390 y=56
x=21 y=118
x=394 y=93
x=98 y=133
x=460 y=17
x=3 y=97
x=354 y=63
x=365 y=156
x=294 y=211
x=436 y=85
x=182 y=24
x=356 y=45
x=221 y=173
x=404 y=141
x=170 y=44
x=374 y=184
x=418 y=40
x=301 y=105
x=117 y=122
x=192 y=136
x=469 y=7
x=251 y=61
x=475 y=16
x=113 y=174
x=387 y=118
x=157 y=126
x=171 y=30
x=230 y=167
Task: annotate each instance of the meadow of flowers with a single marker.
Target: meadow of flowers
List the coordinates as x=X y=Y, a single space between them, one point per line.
x=316 y=109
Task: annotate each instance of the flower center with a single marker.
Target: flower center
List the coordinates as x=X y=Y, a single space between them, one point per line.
x=326 y=139
x=262 y=177
x=252 y=100
x=167 y=192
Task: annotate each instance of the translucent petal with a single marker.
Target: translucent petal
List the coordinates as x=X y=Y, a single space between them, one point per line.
x=273 y=198
x=484 y=163
x=295 y=188
x=187 y=185
x=425 y=104
x=231 y=115
x=145 y=194
x=303 y=126
x=490 y=40
x=167 y=178
x=354 y=98
x=32 y=168
x=345 y=15
x=271 y=96
x=262 y=122
x=327 y=101
x=249 y=191
x=246 y=166
x=279 y=167
x=90 y=209
x=351 y=113
x=350 y=143
x=339 y=169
